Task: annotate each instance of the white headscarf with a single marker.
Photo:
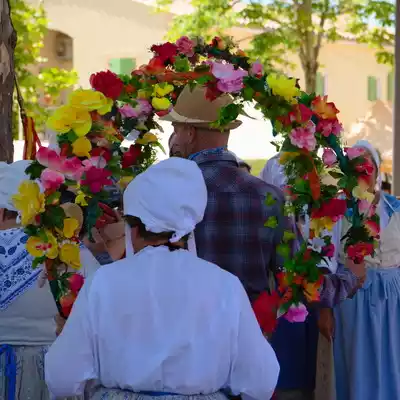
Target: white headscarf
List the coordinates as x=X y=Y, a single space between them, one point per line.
x=11 y=176
x=170 y=196
x=273 y=172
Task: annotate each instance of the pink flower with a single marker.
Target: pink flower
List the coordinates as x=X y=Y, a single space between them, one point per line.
x=354 y=152
x=51 y=180
x=143 y=107
x=96 y=179
x=185 y=46
x=329 y=127
x=256 y=69
x=303 y=137
x=329 y=157
x=48 y=158
x=230 y=80
x=372 y=227
x=99 y=162
x=366 y=208
x=296 y=313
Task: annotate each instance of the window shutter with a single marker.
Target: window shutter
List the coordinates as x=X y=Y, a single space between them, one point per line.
x=320 y=84
x=390 y=86
x=372 y=88
x=122 y=66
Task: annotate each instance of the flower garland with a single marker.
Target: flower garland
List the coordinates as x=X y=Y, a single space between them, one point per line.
x=91 y=155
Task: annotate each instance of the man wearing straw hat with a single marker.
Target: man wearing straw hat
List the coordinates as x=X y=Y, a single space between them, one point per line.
x=232 y=233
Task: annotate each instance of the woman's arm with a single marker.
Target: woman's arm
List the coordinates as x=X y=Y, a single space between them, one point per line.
x=341 y=285
x=69 y=363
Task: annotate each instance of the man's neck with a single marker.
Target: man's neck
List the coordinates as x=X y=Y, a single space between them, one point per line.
x=214 y=150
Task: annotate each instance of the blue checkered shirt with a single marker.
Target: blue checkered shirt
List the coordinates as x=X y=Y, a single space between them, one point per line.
x=232 y=233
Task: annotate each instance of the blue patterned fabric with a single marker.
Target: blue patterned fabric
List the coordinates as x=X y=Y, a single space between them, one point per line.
x=16 y=273
x=10 y=369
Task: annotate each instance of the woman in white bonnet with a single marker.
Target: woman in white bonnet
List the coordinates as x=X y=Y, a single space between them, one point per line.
x=27 y=311
x=367 y=327
x=163 y=322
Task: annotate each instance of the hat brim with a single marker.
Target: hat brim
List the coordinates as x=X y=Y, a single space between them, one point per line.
x=206 y=124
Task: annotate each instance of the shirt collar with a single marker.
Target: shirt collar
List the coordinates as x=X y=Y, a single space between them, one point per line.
x=215 y=154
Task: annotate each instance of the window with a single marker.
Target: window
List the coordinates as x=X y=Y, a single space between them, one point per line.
x=320 y=84
x=390 y=86
x=373 y=89
x=123 y=66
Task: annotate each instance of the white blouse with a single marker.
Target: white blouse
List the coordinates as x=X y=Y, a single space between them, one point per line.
x=163 y=321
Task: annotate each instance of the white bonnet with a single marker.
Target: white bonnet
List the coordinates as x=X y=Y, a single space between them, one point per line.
x=170 y=196
x=11 y=176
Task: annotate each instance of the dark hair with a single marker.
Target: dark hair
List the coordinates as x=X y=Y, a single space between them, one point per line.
x=135 y=222
x=9 y=214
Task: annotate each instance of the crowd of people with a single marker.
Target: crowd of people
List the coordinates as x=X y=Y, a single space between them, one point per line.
x=170 y=314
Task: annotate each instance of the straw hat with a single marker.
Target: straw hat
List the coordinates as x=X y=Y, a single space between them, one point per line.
x=193 y=108
x=72 y=210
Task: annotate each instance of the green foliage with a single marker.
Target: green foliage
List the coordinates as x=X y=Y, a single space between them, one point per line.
x=279 y=27
x=30 y=24
x=380 y=34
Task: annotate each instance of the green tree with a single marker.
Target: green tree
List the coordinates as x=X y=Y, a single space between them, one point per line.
x=280 y=27
x=30 y=24
x=374 y=23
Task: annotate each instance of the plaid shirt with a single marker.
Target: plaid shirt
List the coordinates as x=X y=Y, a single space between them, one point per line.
x=232 y=233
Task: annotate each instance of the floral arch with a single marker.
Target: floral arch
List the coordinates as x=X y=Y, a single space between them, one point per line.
x=94 y=126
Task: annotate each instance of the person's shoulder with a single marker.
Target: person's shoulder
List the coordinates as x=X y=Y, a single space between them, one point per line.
x=107 y=273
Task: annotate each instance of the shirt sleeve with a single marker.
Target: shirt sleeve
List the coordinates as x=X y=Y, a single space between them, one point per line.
x=255 y=369
x=338 y=287
x=70 y=363
x=89 y=263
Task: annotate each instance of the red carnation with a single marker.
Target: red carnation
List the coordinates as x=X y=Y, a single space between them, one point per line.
x=107 y=83
x=96 y=179
x=165 y=52
x=335 y=208
x=265 y=309
x=101 y=152
x=358 y=251
x=76 y=282
x=131 y=156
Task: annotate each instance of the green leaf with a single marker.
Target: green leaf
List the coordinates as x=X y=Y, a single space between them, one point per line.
x=335 y=174
x=272 y=222
x=35 y=170
x=288 y=236
x=53 y=199
x=248 y=93
x=283 y=250
x=72 y=136
x=38 y=261
x=269 y=200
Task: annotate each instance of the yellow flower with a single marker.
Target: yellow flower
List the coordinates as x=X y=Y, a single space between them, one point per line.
x=147 y=138
x=29 y=202
x=125 y=181
x=361 y=192
x=283 y=86
x=80 y=199
x=67 y=117
x=37 y=247
x=144 y=94
x=320 y=224
x=90 y=100
x=70 y=255
x=71 y=227
x=160 y=103
x=81 y=147
x=162 y=89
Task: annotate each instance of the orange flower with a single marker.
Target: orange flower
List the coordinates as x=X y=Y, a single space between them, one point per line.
x=323 y=109
x=311 y=291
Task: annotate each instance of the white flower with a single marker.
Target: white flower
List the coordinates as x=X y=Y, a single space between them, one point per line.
x=316 y=244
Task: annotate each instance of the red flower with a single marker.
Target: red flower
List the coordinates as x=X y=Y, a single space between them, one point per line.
x=329 y=250
x=335 y=208
x=300 y=114
x=357 y=252
x=366 y=167
x=107 y=83
x=96 y=178
x=165 y=52
x=66 y=303
x=265 y=308
x=75 y=282
x=131 y=156
x=212 y=91
x=101 y=152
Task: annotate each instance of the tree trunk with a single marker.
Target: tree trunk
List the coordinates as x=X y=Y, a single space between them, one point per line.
x=8 y=41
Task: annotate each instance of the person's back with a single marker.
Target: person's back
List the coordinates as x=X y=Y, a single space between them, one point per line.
x=233 y=234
